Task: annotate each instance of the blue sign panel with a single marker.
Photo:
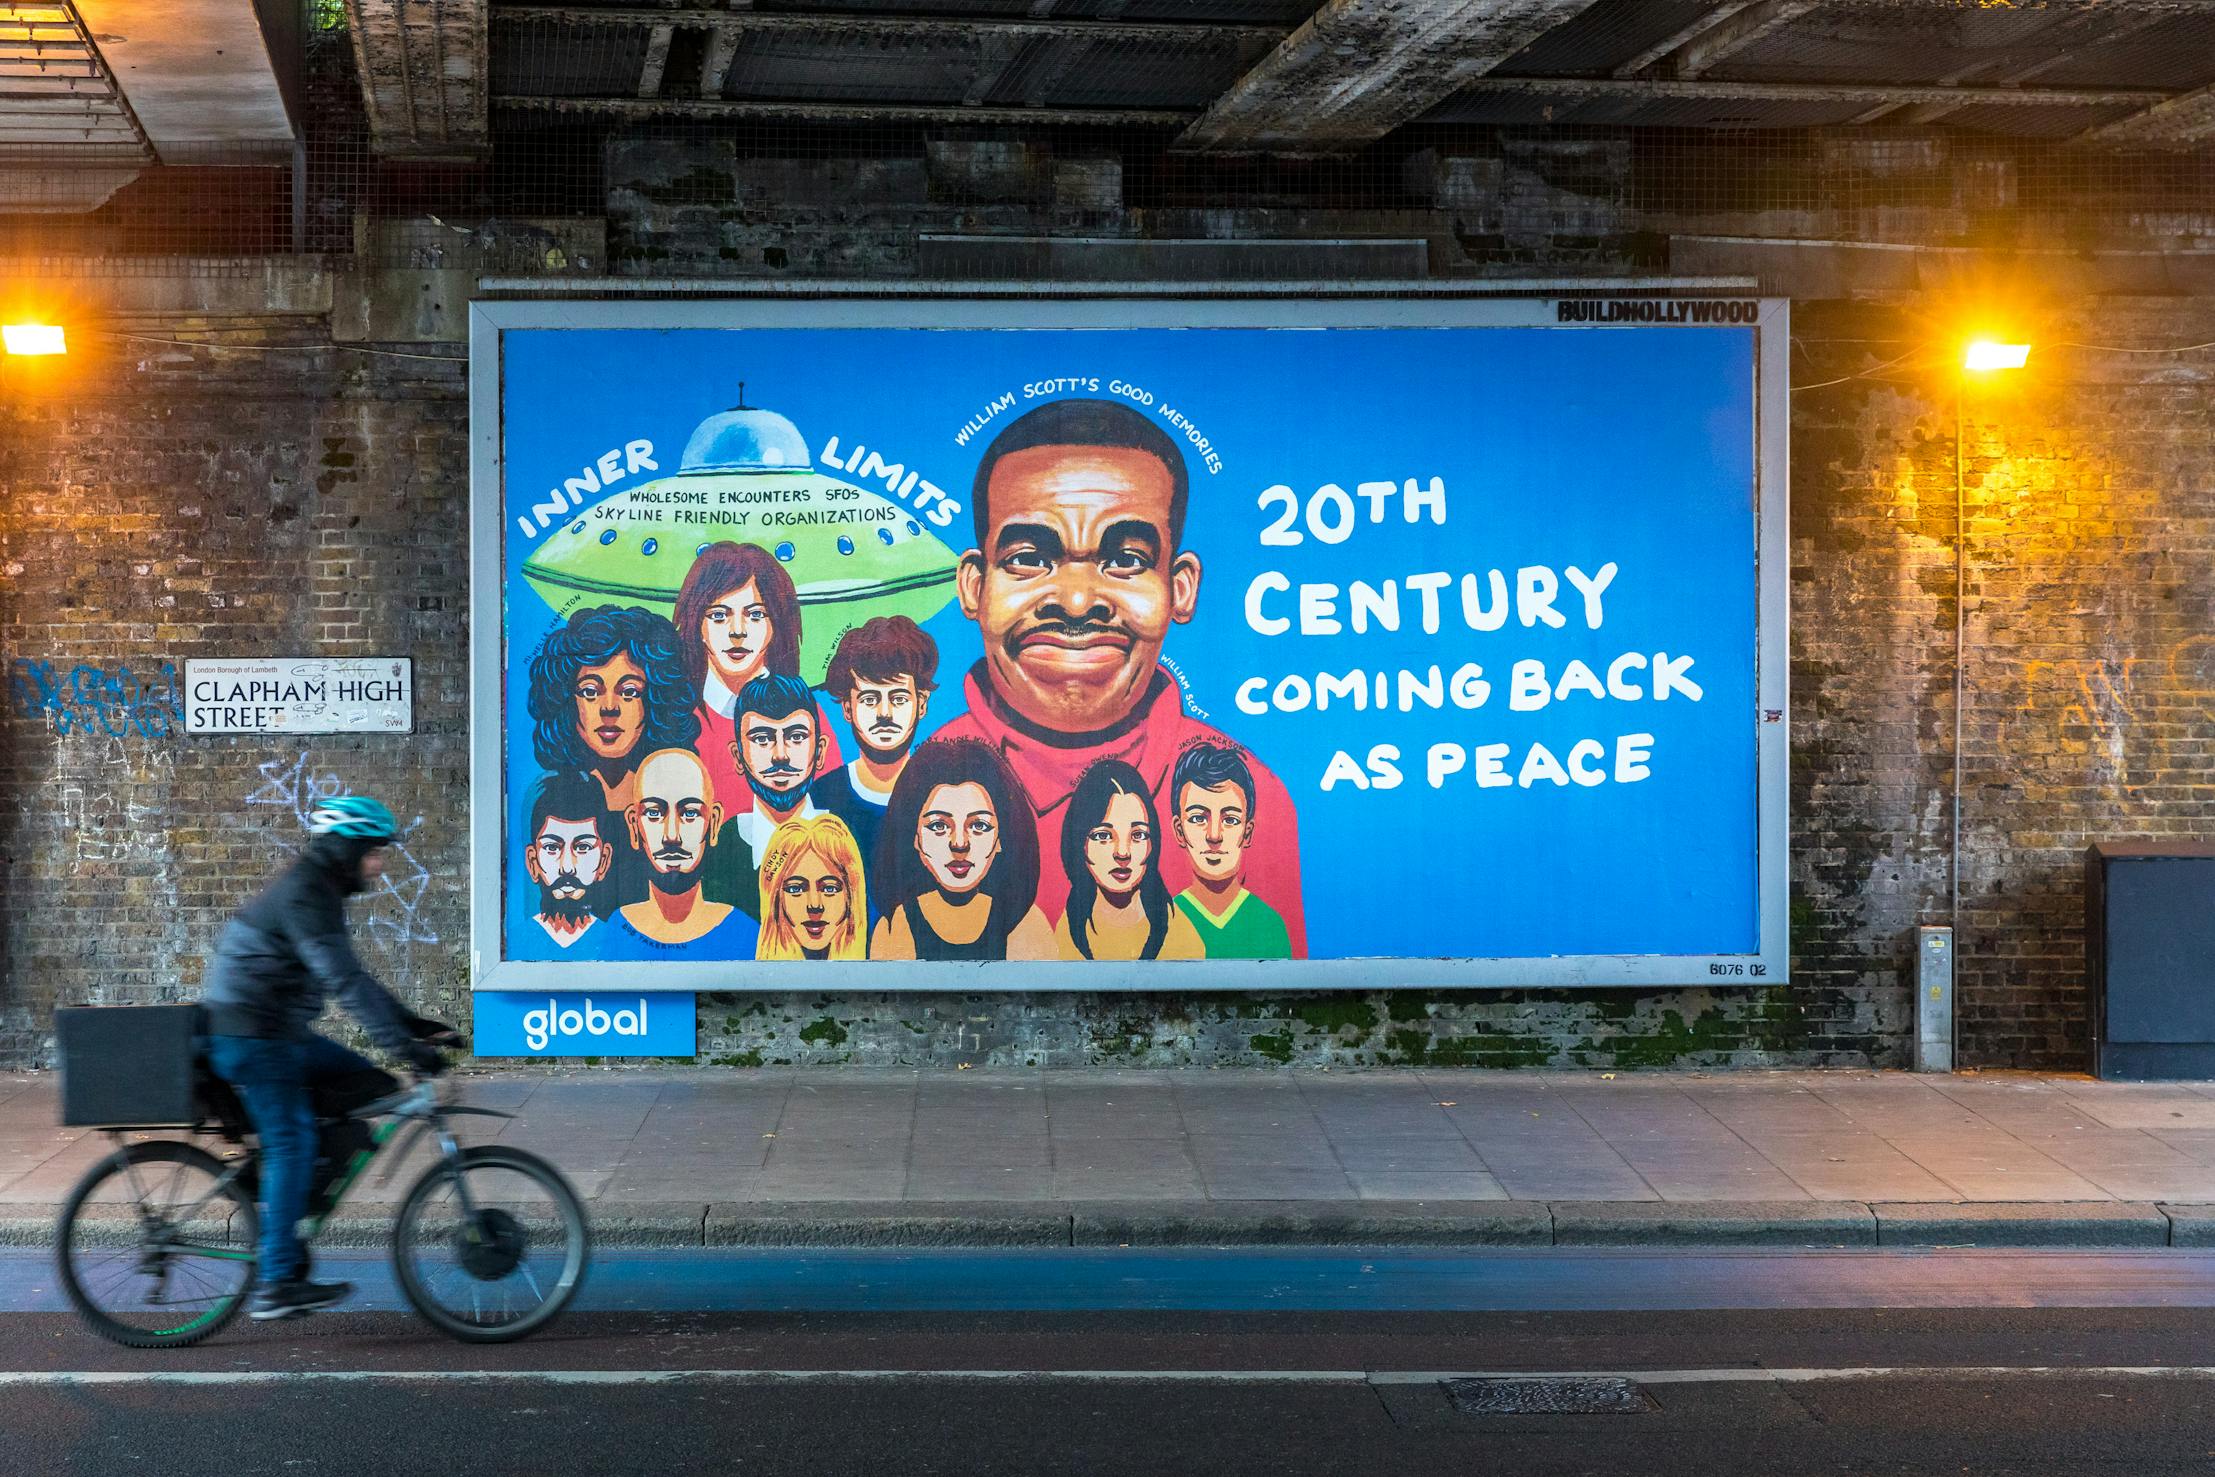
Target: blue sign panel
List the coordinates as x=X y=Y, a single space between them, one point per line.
x=602 y=1023
x=1135 y=645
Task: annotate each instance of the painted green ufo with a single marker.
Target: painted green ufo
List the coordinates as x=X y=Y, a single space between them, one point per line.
x=749 y=477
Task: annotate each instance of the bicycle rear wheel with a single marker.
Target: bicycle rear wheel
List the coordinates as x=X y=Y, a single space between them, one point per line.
x=155 y=1246
x=507 y=1270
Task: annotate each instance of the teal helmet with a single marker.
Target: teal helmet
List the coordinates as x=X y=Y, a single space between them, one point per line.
x=353 y=815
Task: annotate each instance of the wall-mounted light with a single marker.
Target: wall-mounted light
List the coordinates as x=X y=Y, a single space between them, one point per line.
x=1985 y=355
x=33 y=338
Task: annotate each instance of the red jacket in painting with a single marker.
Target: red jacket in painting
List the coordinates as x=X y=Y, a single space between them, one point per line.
x=1048 y=764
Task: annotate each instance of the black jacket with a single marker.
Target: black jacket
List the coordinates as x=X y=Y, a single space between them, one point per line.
x=283 y=953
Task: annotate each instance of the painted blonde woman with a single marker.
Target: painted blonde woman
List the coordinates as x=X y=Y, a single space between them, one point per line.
x=812 y=901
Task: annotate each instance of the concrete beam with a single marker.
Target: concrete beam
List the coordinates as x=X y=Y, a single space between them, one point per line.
x=423 y=68
x=1996 y=72
x=1732 y=33
x=2185 y=121
x=82 y=185
x=729 y=109
x=1655 y=88
x=892 y=27
x=1683 y=36
x=656 y=62
x=198 y=76
x=715 y=62
x=1357 y=69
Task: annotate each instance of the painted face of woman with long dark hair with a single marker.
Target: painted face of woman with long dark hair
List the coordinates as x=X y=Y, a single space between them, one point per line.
x=1120 y=849
x=611 y=706
x=957 y=836
x=735 y=632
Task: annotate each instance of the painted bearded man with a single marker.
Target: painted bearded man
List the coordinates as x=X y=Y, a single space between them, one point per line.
x=567 y=854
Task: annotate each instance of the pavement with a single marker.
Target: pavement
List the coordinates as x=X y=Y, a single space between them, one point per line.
x=866 y=1157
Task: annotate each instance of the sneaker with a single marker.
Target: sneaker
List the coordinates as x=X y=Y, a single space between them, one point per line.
x=297 y=1298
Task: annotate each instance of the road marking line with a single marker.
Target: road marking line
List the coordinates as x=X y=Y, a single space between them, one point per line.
x=1728 y=1375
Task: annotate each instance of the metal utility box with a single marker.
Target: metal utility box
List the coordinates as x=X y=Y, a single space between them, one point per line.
x=2149 y=953
x=127 y=1066
x=1934 y=999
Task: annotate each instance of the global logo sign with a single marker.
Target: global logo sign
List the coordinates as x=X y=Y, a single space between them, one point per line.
x=532 y=1023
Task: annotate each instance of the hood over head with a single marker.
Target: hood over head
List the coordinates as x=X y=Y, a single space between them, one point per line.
x=341 y=857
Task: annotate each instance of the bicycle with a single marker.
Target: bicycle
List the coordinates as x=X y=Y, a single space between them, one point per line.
x=187 y=1245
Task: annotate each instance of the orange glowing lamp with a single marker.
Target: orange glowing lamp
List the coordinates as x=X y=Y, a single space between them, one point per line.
x=33 y=338
x=1986 y=355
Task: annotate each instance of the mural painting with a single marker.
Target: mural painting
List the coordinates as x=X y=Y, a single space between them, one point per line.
x=1227 y=644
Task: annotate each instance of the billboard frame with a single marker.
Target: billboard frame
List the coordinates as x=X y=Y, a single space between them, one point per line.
x=986 y=305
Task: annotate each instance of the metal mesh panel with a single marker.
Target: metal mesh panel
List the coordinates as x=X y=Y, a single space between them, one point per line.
x=865 y=139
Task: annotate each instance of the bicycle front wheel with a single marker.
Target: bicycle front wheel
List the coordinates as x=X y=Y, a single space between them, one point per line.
x=155 y=1247
x=499 y=1262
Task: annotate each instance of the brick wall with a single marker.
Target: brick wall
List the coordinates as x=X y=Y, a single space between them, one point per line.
x=162 y=502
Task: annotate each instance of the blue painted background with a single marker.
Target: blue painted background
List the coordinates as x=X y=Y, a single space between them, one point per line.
x=1557 y=447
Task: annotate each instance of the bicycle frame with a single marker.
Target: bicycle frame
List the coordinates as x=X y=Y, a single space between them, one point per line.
x=419 y=1108
x=415 y=1110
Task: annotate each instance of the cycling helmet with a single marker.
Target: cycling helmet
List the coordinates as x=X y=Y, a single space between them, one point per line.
x=352 y=815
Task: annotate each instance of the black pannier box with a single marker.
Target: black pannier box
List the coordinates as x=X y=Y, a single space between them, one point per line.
x=127 y=1066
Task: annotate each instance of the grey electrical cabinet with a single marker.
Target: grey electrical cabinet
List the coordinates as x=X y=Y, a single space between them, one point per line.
x=2149 y=953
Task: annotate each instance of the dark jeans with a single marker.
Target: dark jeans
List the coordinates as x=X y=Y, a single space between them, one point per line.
x=286 y=1086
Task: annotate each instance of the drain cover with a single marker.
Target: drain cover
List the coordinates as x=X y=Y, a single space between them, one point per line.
x=1548 y=1396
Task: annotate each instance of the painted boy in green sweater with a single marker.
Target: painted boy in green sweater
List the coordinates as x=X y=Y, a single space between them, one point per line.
x=1213 y=792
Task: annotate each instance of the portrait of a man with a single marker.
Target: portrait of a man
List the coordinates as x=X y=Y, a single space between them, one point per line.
x=882 y=677
x=673 y=824
x=566 y=854
x=1078 y=572
x=777 y=740
x=1212 y=790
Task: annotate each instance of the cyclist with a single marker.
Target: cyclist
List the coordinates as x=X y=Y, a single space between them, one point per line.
x=274 y=964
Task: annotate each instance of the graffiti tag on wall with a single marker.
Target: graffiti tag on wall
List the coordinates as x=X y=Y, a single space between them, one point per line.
x=115 y=701
x=394 y=912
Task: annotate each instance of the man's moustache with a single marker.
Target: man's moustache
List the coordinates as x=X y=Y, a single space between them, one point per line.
x=775 y=771
x=1015 y=639
x=1074 y=628
x=885 y=726
x=671 y=854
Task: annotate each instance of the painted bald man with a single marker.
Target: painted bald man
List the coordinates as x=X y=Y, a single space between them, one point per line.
x=673 y=821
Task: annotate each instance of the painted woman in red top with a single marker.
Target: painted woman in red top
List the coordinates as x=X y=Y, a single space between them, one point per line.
x=737 y=617
x=1077 y=574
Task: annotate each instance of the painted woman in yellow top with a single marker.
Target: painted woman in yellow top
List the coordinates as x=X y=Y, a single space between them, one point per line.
x=1119 y=907
x=812 y=900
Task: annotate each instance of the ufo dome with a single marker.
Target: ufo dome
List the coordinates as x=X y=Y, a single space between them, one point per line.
x=746 y=440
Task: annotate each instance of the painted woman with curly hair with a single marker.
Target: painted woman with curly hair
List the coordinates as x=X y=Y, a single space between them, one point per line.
x=607 y=688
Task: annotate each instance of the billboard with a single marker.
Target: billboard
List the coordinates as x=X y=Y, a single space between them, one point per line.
x=1154 y=643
